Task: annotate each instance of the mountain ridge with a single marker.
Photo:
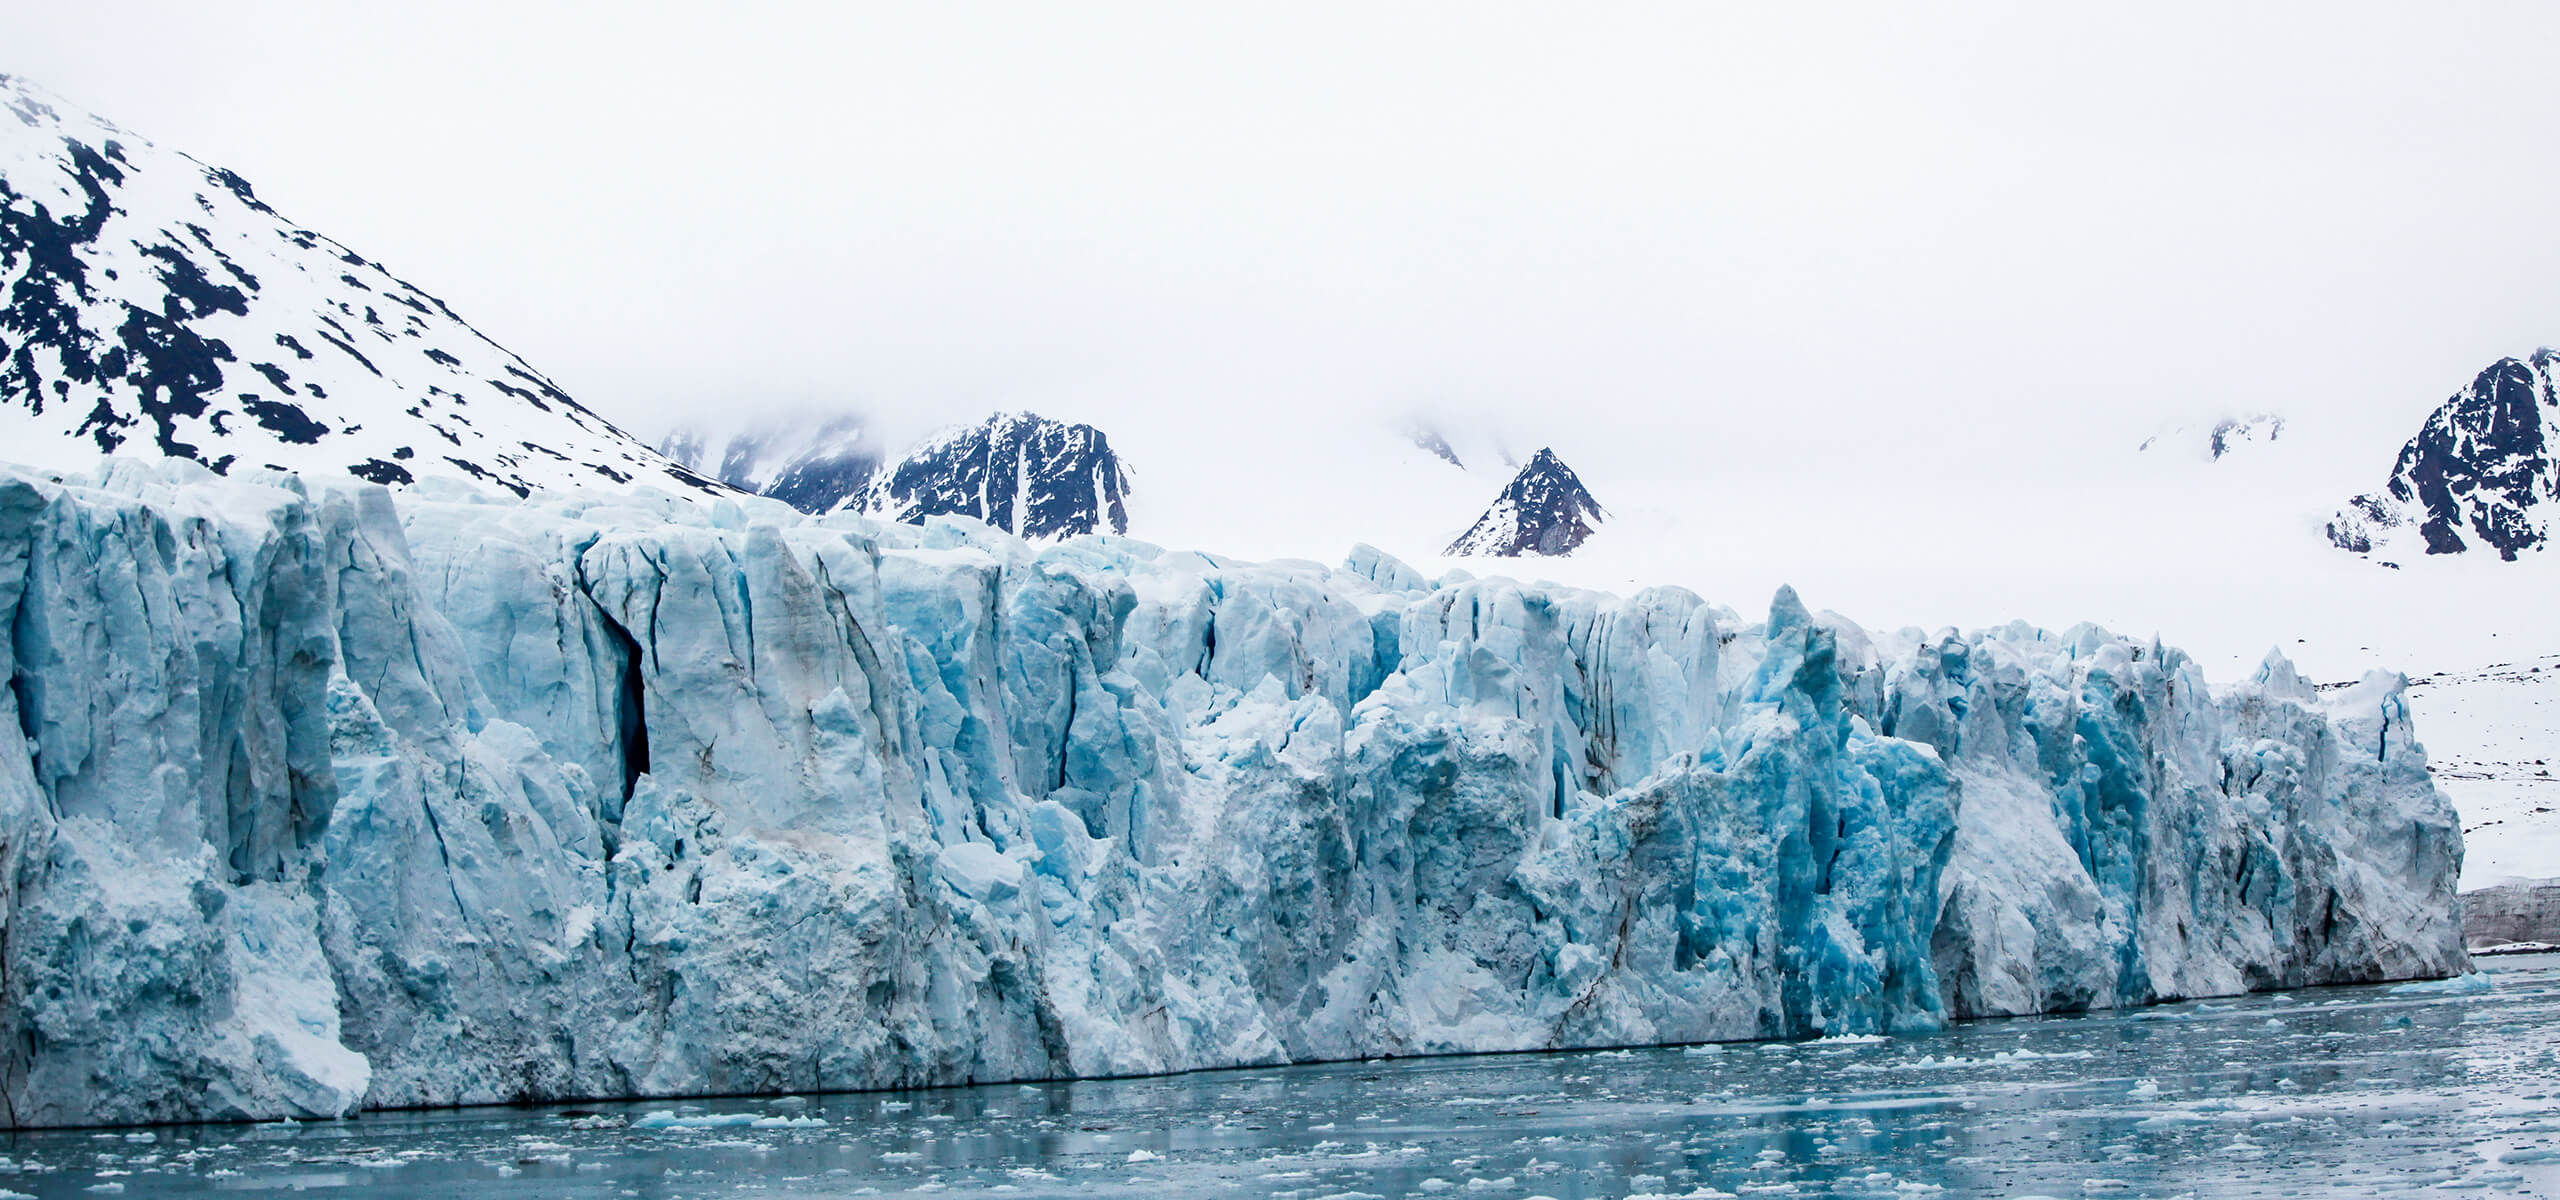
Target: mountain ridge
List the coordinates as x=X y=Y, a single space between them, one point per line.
x=2481 y=468
x=1017 y=471
x=154 y=300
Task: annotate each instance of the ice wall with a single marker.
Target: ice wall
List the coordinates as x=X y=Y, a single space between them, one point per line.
x=309 y=802
x=2517 y=910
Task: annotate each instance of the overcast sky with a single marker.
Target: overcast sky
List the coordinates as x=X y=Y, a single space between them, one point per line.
x=1652 y=236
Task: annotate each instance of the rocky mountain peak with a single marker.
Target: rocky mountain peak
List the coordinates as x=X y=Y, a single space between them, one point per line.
x=1020 y=472
x=1544 y=510
x=2480 y=473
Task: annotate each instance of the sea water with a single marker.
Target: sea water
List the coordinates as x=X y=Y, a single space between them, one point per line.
x=2333 y=1092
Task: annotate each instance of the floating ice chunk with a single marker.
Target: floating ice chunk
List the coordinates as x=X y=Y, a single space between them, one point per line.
x=667 y=1119
x=2469 y=984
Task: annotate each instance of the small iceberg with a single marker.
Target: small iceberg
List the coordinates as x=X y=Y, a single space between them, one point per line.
x=2472 y=984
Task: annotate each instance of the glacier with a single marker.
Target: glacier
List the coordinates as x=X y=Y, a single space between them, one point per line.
x=317 y=799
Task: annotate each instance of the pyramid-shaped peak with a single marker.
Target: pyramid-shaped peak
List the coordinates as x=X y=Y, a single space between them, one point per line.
x=1544 y=510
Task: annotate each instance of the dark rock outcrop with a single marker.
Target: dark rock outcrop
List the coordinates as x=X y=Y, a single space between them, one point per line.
x=1544 y=510
x=2480 y=474
x=1020 y=472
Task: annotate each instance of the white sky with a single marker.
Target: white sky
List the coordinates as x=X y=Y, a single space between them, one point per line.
x=1878 y=226
x=1899 y=266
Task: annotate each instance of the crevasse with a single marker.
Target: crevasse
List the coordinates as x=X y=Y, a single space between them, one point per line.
x=314 y=799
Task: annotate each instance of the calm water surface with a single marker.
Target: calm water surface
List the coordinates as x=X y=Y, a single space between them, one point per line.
x=2333 y=1092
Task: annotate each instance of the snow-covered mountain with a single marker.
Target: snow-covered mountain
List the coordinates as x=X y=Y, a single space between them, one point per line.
x=1543 y=511
x=1020 y=472
x=813 y=463
x=2481 y=473
x=154 y=305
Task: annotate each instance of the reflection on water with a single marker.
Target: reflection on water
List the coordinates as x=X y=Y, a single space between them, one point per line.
x=2338 y=1092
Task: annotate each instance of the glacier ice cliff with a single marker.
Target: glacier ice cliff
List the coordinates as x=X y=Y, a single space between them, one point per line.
x=311 y=801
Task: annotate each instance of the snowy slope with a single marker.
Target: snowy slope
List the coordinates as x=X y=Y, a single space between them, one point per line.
x=155 y=306
x=2489 y=733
